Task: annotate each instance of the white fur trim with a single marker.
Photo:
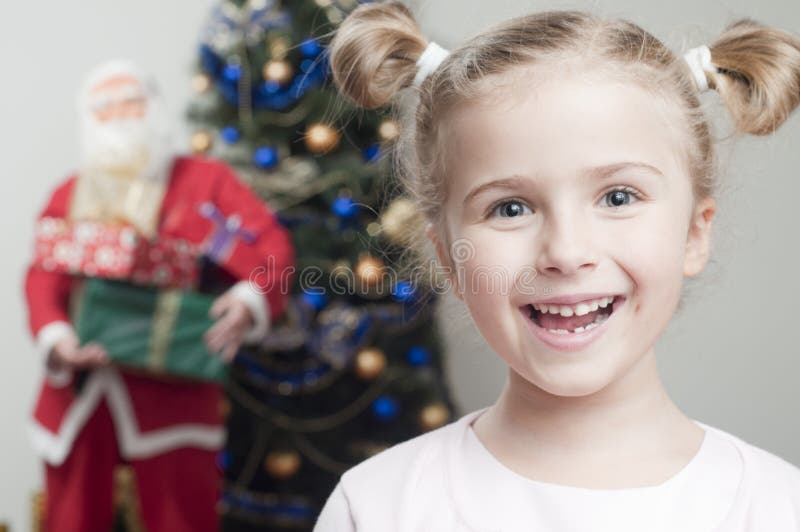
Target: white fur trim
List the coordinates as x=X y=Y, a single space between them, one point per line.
x=54 y=448
x=133 y=444
x=259 y=308
x=47 y=337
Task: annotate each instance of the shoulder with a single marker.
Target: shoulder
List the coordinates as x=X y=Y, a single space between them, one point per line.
x=58 y=202
x=65 y=186
x=383 y=483
x=395 y=464
x=192 y=167
x=774 y=481
x=768 y=479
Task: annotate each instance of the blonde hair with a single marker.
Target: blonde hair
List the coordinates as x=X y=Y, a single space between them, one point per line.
x=375 y=50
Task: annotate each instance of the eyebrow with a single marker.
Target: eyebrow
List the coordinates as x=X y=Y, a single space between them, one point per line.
x=598 y=172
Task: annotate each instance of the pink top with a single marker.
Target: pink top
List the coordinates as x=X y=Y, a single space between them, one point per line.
x=446 y=480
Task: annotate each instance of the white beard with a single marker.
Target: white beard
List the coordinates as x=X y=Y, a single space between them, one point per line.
x=135 y=148
x=116 y=146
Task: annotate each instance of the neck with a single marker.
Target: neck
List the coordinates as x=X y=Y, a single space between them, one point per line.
x=632 y=412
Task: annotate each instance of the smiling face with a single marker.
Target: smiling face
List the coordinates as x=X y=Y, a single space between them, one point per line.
x=577 y=188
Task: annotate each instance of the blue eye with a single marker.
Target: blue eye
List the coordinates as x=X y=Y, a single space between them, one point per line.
x=509 y=209
x=618 y=195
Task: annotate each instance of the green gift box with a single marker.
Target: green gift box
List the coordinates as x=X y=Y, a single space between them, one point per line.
x=156 y=330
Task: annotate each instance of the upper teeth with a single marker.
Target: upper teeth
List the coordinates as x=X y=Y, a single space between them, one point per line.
x=584 y=307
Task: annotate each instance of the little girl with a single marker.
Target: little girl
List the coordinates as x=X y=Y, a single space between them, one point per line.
x=568 y=156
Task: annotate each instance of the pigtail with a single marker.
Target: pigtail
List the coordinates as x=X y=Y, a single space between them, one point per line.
x=758 y=75
x=374 y=53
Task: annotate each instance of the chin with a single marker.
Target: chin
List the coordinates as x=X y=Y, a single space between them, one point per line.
x=565 y=380
x=573 y=388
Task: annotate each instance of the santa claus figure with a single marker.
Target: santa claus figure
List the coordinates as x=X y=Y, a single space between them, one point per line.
x=91 y=414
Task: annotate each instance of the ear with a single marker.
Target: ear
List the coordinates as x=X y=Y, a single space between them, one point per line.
x=698 y=241
x=444 y=259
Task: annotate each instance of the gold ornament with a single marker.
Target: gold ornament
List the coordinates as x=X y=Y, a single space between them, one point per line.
x=200 y=83
x=377 y=449
x=388 y=130
x=434 y=416
x=321 y=138
x=365 y=449
x=224 y=408
x=369 y=271
x=282 y=464
x=278 y=48
x=222 y=507
x=126 y=497
x=341 y=269
x=370 y=362
x=201 y=142
x=38 y=509
x=399 y=220
x=278 y=70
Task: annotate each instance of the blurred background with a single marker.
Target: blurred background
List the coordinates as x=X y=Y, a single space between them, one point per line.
x=729 y=359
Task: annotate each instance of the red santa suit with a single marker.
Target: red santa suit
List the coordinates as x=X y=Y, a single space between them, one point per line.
x=161 y=427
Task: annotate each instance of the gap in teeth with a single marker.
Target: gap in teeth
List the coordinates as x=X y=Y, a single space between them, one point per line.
x=597 y=321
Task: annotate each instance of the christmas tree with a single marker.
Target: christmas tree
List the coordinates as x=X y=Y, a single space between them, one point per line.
x=355 y=364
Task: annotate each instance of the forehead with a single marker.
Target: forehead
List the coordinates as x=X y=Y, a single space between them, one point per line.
x=558 y=125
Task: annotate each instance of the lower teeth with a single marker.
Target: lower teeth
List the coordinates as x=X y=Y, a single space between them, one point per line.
x=598 y=321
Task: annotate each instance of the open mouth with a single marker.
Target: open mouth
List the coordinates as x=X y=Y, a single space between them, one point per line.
x=573 y=319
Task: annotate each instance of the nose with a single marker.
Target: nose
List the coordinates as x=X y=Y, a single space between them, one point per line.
x=566 y=246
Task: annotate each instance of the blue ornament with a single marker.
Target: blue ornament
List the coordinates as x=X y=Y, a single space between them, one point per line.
x=306 y=65
x=403 y=291
x=315 y=299
x=418 y=356
x=372 y=152
x=344 y=207
x=270 y=95
x=232 y=72
x=310 y=47
x=223 y=460
x=266 y=157
x=271 y=86
x=211 y=62
x=267 y=94
x=301 y=83
x=385 y=408
x=241 y=500
x=230 y=134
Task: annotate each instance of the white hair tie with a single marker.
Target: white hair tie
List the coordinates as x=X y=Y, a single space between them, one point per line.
x=699 y=61
x=429 y=61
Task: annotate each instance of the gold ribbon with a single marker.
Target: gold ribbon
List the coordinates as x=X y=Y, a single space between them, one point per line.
x=165 y=314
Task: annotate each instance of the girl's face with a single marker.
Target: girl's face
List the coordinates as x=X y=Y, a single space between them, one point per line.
x=573 y=191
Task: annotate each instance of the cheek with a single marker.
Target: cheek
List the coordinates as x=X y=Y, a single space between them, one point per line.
x=491 y=262
x=488 y=262
x=651 y=252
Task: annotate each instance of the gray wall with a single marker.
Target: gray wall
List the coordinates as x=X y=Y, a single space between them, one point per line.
x=730 y=359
